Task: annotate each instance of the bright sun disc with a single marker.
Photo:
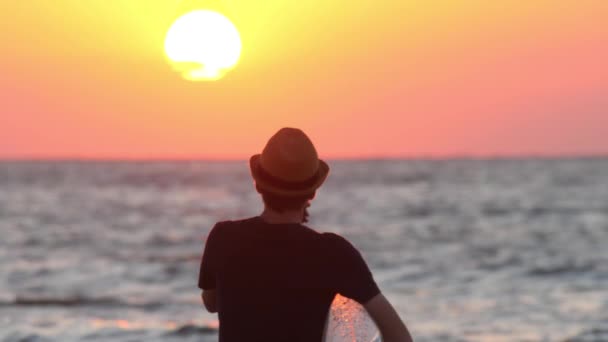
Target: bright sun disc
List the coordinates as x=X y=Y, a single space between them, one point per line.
x=203 y=45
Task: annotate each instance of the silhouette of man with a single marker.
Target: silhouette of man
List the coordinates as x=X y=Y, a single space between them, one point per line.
x=271 y=278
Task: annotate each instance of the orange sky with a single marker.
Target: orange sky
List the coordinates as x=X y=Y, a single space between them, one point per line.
x=364 y=78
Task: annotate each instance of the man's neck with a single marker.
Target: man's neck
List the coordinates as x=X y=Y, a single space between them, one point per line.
x=275 y=217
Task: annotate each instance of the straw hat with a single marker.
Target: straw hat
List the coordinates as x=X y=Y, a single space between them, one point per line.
x=288 y=165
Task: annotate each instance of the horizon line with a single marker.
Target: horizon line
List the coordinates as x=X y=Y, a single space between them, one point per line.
x=530 y=156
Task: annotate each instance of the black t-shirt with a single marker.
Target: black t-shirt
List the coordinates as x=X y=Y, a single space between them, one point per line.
x=275 y=282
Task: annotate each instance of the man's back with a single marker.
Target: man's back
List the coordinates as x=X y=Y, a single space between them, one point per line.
x=275 y=282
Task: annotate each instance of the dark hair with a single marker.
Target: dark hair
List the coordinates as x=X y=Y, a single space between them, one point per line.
x=283 y=203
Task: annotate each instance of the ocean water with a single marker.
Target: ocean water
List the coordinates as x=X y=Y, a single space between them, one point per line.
x=466 y=250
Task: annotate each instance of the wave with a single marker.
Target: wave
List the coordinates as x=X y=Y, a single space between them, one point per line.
x=78 y=301
x=560 y=268
x=191 y=329
x=26 y=338
x=591 y=335
x=169 y=259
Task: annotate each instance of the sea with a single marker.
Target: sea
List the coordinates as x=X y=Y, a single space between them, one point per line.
x=465 y=249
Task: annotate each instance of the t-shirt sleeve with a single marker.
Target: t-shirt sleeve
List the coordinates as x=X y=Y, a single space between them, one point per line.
x=353 y=277
x=208 y=270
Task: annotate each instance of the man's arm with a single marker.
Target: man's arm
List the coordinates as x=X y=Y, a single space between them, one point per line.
x=355 y=281
x=386 y=318
x=207 y=274
x=209 y=300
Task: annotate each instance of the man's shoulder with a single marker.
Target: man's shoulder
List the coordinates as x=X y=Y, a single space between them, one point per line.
x=334 y=238
x=339 y=245
x=228 y=225
x=238 y=221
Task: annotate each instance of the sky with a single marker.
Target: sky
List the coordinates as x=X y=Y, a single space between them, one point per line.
x=363 y=78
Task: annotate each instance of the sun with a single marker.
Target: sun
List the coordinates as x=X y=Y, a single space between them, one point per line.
x=203 y=45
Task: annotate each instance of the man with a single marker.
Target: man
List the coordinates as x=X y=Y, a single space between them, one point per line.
x=270 y=277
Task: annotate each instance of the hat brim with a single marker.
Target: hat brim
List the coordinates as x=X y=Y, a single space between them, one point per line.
x=278 y=187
